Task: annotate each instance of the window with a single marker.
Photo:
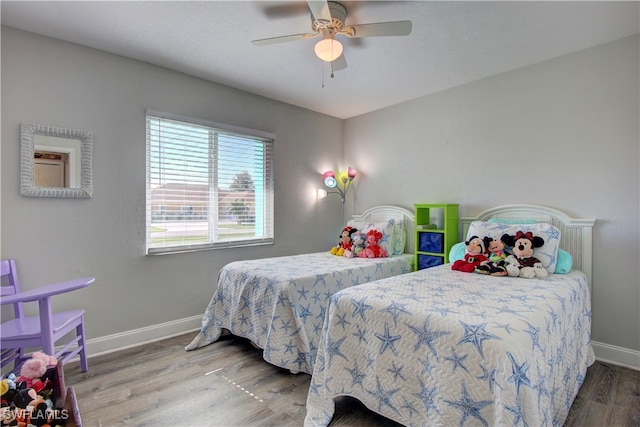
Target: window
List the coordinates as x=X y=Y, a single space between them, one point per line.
x=208 y=185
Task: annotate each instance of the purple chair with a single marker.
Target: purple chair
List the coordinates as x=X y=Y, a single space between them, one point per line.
x=44 y=331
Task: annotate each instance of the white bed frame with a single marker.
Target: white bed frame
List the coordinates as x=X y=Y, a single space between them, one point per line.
x=398 y=213
x=575 y=234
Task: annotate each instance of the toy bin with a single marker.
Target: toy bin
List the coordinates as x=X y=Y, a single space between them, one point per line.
x=23 y=407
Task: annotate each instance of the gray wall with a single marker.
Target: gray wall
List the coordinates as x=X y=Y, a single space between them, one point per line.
x=562 y=133
x=56 y=83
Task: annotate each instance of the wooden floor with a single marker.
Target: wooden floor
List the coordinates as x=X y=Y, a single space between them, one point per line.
x=229 y=384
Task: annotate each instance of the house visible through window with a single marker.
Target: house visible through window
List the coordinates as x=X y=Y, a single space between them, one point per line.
x=208 y=185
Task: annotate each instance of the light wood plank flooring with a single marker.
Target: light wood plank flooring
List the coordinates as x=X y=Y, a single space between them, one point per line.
x=229 y=384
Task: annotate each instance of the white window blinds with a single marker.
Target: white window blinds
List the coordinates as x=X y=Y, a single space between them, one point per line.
x=208 y=185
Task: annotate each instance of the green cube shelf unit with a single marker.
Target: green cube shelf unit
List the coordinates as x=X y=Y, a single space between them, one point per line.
x=436 y=232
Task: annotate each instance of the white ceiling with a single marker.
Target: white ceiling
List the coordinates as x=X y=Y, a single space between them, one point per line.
x=452 y=42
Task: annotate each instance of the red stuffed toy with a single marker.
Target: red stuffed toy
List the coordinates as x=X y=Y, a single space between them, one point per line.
x=473 y=257
x=373 y=250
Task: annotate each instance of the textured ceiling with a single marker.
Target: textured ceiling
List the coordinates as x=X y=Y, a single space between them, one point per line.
x=452 y=42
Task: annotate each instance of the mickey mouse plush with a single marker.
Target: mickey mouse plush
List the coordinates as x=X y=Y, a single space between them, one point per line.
x=357 y=245
x=473 y=257
x=522 y=263
x=496 y=264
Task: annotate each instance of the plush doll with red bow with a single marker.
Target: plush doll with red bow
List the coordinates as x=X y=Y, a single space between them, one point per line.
x=345 y=242
x=522 y=263
x=473 y=257
x=372 y=249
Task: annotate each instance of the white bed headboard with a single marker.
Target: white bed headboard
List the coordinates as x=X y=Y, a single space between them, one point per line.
x=575 y=234
x=398 y=213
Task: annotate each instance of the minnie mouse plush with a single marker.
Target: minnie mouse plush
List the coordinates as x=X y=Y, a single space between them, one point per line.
x=345 y=242
x=522 y=263
x=373 y=250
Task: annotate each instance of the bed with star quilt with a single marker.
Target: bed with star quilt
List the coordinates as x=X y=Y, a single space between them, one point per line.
x=279 y=303
x=440 y=347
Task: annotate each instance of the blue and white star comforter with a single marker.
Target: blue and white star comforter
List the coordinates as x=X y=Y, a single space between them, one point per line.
x=279 y=303
x=444 y=348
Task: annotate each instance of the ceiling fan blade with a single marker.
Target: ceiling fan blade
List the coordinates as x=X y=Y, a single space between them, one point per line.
x=320 y=10
x=339 y=64
x=283 y=39
x=381 y=29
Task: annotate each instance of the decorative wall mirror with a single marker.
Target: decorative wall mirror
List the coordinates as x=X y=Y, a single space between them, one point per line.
x=55 y=162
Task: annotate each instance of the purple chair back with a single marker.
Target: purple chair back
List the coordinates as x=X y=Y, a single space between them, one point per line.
x=10 y=284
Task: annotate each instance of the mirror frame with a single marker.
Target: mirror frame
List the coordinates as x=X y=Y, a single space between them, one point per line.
x=28 y=132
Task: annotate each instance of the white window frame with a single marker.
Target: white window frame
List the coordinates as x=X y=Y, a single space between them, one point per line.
x=220 y=141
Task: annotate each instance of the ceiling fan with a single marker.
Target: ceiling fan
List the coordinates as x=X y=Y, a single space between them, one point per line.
x=328 y=20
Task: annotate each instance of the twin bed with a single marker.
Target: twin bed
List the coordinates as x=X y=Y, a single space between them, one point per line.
x=279 y=303
x=443 y=347
x=432 y=347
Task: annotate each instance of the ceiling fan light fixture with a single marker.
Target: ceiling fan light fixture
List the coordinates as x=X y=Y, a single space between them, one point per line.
x=328 y=49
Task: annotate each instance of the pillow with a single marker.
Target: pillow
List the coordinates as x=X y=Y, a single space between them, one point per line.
x=384 y=227
x=565 y=262
x=547 y=254
x=399 y=238
x=457 y=251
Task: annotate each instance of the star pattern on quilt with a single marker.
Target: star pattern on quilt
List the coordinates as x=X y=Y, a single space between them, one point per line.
x=360 y=307
x=519 y=372
x=469 y=407
x=426 y=336
x=427 y=395
x=388 y=341
x=333 y=348
x=356 y=375
x=382 y=396
x=476 y=334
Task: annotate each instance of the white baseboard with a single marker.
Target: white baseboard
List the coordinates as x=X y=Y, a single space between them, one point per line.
x=136 y=337
x=110 y=343
x=617 y=355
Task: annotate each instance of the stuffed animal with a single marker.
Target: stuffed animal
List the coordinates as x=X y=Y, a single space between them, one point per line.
x=496 y=265
x=8 y=415
x=357 y=245
x=473 y=257
x=32 y=410
x=8 y=390
x=372 y=249
x=345 y=241
x=32 y=372
x=49 y=360
x=522 y=261
x=24 y=397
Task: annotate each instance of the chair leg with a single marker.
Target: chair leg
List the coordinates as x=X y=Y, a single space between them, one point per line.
x=20 y=359
x=84 y=365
